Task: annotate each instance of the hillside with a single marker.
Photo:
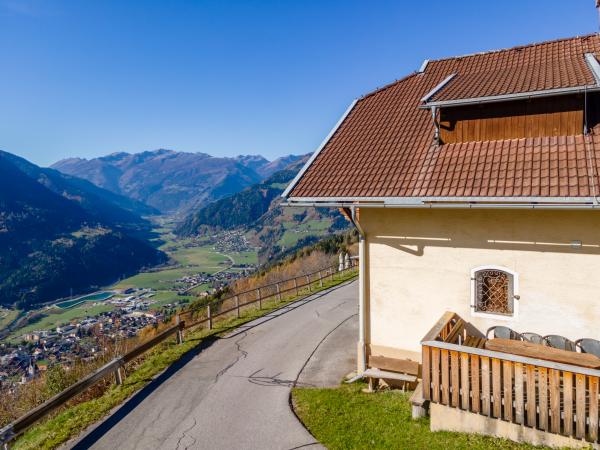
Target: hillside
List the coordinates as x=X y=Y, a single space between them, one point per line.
x=256 y=211
x=173 y=182
x=51 y=244
x=101 y=203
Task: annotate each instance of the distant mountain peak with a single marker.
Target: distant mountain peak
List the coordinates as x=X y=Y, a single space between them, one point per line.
x=172 y=181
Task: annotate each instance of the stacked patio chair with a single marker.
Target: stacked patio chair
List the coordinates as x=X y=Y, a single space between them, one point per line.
x=534 y=338
x=502 y=332
x=561 y=342
x=587 y=345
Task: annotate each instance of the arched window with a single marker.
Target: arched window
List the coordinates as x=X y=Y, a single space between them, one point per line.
x=493 y=291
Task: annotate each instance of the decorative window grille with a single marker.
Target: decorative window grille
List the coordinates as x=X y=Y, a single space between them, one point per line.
x=494 y=292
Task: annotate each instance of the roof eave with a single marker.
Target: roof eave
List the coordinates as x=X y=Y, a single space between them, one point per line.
x=448 y=202
x=508 y=97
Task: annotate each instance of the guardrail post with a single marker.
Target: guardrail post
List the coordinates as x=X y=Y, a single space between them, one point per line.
x=320 y=279
x=237 y=305
x=259 y=298
x=119 y=375
x=296 y=285
x=278 y=292
x=209 y=317
x=180 y=331
x=308 y=282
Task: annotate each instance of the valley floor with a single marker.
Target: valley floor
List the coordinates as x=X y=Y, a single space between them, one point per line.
x=191 y=257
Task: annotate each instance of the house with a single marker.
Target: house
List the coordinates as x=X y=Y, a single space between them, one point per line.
x=474 y=184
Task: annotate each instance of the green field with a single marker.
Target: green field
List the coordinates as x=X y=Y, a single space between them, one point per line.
x=193 y=259
x=7 y=316
x=244 y=257
x=293 y=233
x=53 y=317
x=165 y=297
x=163 y=280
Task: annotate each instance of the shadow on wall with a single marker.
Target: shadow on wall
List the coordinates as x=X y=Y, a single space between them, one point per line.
x=552 y=231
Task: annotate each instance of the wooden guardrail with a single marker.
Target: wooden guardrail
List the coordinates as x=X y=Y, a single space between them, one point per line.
x=235 y=303
x=549 y=396
x=212 y=310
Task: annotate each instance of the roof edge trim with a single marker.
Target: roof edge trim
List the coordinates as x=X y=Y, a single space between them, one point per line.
x=300 y=174
x=435 y=90
x=423 y=66
x=423 y=200
x=593 y=65
x=516 y=96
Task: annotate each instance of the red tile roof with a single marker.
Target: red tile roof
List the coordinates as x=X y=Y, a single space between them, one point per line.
x=385 y=146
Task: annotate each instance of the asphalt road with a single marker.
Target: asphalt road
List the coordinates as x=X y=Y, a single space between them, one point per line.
x=234 y=394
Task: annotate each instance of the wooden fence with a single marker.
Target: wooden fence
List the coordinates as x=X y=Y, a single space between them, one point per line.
x=553 y=397
x=186 y=319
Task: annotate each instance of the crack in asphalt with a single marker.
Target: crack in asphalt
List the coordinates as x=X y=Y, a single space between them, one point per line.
x=184 y=434
x=273 y=380
x=242 y=354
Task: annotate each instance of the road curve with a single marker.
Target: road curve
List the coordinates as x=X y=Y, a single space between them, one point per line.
x=234 y=394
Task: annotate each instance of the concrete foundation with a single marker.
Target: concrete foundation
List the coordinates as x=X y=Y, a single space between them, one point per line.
x=444 y=418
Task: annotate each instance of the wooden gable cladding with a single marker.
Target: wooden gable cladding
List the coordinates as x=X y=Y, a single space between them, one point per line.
x=548 y=116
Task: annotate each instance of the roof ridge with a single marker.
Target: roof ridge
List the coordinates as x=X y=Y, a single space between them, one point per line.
x=517 y=47
x=389 y=85
x=430 y=61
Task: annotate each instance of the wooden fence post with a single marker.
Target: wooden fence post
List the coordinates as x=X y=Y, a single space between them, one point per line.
x=331 y=273
x=278 y=292
x=237 y=305
x=179 y=337
x=119 y=375
x=320 y=279
x=259 y=298
x=296 y=285
x=209 y=316
x=308 y=282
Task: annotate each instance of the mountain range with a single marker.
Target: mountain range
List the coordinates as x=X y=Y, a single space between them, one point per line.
x=173 y=182
x=257 y=212
x=82 y=223
x=60 y=234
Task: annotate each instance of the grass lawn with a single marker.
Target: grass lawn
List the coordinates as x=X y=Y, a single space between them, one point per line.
x=346 y=418
x=69 y=423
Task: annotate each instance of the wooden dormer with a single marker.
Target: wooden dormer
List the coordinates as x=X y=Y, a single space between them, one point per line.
x=546 y=116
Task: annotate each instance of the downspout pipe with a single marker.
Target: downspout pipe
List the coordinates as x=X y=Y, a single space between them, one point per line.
x=362 y=288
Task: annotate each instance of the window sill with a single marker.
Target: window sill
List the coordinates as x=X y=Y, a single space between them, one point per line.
x=493 y=316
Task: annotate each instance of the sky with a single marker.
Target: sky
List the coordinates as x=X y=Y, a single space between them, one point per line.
x=88 y=78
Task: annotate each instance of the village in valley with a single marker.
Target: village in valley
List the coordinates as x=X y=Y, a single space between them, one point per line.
x=83 y=325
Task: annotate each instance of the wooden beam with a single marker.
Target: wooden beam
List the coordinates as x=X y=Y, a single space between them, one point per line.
x=537 y=351
x=394 y=365
x=435 y=331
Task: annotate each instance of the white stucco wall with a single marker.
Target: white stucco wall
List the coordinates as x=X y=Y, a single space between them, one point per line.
x=420 y=261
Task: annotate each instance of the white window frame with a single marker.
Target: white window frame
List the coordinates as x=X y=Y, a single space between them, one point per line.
x=515 y=293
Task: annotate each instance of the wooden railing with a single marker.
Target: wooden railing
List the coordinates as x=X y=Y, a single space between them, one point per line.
x=553 y=397
x=237 y=302
x=187 y=319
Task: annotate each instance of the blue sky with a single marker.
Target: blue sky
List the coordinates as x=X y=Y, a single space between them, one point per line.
x=87 y=78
